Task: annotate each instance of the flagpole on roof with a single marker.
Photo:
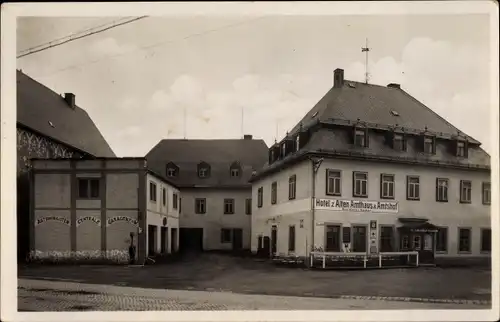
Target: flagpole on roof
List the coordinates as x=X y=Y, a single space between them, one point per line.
x=365 y=50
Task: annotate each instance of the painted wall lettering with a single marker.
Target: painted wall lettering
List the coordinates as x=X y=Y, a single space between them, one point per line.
x=122 y=218
x=62 y=220
x=357 y=205
x=93 y=219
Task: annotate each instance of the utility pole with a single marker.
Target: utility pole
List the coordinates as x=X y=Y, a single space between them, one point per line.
x=366 y=50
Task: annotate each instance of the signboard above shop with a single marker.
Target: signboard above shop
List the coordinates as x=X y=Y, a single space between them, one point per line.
x=357 y=205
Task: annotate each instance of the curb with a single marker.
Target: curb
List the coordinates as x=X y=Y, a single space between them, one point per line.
x=415 y=299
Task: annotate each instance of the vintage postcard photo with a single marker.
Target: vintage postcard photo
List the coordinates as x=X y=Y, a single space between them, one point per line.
x=250 y=161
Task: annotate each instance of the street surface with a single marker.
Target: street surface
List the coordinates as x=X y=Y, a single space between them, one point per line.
x=43 y=295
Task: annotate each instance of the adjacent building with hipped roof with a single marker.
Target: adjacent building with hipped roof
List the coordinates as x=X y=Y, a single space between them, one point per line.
x=370 y=170
x=213 y=177
x=48 y=126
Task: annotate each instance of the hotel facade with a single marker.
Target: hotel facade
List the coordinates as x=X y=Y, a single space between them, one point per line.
x=371 y=170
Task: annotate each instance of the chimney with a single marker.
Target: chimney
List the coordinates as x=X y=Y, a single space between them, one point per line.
x=393 y=85
x=70 y=99
x=338 y=78
x=247 y=137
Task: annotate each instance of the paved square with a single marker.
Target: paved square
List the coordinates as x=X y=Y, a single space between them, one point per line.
x=212 y=272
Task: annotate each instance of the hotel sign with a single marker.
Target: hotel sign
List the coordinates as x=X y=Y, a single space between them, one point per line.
x=357 y=205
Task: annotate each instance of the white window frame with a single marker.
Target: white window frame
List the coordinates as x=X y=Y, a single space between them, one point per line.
x=171 y=172
x=228 y=206
x=429 y=142
x=200 y=206
x=362 y=134
x=465 y=191
x=486 y=193
x=360 y=182
x=333 y=182
x=385 y=193
x=442 y=189
x=292 y=187
x=398 y=138
x=202 y=172
x=461 y=148
x=274 y=193
x=235 y=172
x=413 y=187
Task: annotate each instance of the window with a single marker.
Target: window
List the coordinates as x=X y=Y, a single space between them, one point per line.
x=429 y=145
x=464 y=235
x=260 y=195
x=248 y=206
x=386 y=239
x=442 y=239
x=417 y=242
x=235 y=172
x=180 y=205
x=291 y=238
x=413 y=188
x=359 y=138
x=171 y=172
x=200 y=205
x=441 y=189
x=486 y=193
x=297 y=143
x=203 y=172
x=333 y=182
x=292 y=185
x=164 y=196
x=274 y=192
x=405 y=243
x=88 y=188
x=360 y=184
x=387 y=186
x=174 y=201
x=465 y=191
x=283 y=150
x=332 y=238
x=399 y=142
x=359 y=239
x=225 y=235
x=486 y=240
x=152 y=191
x=460 y=149
x=228 y=206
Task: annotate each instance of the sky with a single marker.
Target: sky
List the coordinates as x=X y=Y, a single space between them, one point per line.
x=196 y=76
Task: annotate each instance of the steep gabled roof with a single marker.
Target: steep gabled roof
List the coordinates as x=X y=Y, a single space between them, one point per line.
x=219 y=154
x=376 y=104
x=44 y=111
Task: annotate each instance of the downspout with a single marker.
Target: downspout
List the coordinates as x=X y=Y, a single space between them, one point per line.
x=316 y=163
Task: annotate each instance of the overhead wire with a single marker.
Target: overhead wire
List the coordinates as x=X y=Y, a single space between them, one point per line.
x=147 y=47
x=73 y=38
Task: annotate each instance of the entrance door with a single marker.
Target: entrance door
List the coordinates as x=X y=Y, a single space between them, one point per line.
x=423 y=243
x=173 y=242
x=151 y=240
x=266 y=248
x=164 y=239
x=191 y=240
x=237 y=239
x=274 y=240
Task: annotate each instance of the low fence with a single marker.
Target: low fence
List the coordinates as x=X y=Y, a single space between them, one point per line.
x=363 y=260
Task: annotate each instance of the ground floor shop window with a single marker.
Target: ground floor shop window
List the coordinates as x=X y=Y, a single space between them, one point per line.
x=332 y=238
x=405 y=243
x=464 y=235
x=359 y=239
x=225 y=236
x=442 y=239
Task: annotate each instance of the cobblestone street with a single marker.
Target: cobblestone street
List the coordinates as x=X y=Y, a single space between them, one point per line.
x=41 y=295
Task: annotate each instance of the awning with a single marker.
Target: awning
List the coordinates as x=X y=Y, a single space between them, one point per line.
x=419 y=227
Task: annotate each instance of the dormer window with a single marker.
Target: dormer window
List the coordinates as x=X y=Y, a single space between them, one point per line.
x=235 y=170
x=203 y=170
x=283 y=150
x=361 y=137
x=172 y=170
x=399 y=142
x=297 y=143
x=429 y=145
x=462 y=149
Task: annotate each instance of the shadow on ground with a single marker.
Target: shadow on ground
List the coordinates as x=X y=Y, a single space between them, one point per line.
x=215 y=272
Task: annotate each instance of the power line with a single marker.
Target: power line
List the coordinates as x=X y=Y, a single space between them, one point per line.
x=147 y=47
x=73 y=38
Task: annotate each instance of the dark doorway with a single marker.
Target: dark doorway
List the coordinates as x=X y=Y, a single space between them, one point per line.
x=419 y=236
x=191 y=240
x=359 y=239
x=164 y=240
x=274 y=240
x=152 y=231
x=237 y=239
x=266 y=249
x=173 y=243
